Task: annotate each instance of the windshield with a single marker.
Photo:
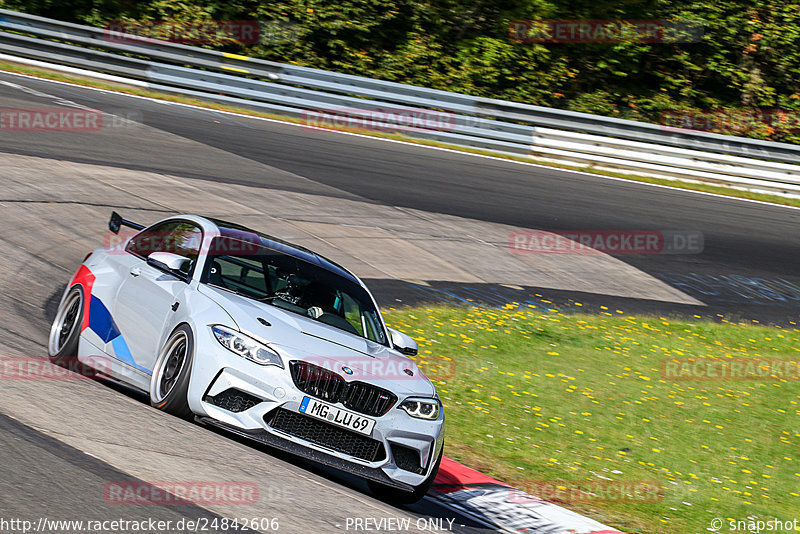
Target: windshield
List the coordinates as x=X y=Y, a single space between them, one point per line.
x=293 y=284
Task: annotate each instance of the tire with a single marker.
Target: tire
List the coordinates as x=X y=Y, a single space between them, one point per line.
x=62 y=344
x=170 y=383
x=392 y=495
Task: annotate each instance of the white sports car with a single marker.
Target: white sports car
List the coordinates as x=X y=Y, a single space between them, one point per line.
x=264 y=338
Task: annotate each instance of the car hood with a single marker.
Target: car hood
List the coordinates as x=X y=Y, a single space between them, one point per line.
x=303 y=338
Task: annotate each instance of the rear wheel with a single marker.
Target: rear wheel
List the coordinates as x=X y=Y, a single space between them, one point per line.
x=398 y=496
x=169 y=385
x=62 y=346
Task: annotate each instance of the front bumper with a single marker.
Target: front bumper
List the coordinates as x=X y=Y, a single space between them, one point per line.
x=265 y=397
x=310 y=453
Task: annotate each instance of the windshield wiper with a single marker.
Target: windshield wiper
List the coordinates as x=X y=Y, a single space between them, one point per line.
x=229 y=290
x=234 y=291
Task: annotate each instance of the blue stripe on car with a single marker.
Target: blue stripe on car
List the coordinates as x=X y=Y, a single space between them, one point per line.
x=122 y=352
x=102 y=324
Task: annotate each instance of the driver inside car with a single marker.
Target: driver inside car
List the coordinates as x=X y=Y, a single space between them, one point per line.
x=323 y=304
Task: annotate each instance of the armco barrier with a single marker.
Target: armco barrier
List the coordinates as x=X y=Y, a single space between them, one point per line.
x=580 y=139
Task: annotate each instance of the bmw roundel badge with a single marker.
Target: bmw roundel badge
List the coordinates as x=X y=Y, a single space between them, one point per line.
x=347 y=370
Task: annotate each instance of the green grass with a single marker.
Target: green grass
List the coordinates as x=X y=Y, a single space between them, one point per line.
x=534 y=396
x=121 y=88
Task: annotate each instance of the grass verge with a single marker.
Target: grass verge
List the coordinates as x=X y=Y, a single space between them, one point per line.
x=91 y=82
x=581 y=402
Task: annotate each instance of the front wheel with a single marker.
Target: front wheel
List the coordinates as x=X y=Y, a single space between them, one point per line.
x=62 y=344
x=397 y=496
x=169 y=385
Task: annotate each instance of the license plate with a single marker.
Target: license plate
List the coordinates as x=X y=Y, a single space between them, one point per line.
x=337 y=416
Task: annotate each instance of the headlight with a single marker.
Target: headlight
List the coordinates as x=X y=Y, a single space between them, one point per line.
x=246 y=347
x=422 y=409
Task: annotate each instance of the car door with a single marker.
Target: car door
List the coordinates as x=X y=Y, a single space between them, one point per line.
x=147 y=294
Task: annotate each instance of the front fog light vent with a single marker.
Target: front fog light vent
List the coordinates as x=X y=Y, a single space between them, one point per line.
x=234 y=400
x=406 y=458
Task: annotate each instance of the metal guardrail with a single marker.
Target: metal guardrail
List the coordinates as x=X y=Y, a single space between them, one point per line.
x=558 y=135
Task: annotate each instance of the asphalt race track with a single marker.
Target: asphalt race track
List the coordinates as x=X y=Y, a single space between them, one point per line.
x=62 y=440
x=750 y=249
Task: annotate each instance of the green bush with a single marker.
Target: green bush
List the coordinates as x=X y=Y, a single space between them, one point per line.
x=748 y=56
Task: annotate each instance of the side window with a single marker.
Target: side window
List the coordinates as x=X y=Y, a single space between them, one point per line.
x=242 y=275
x=185 y=240
x=352 y=312
x=178 y=237
x=150 y=240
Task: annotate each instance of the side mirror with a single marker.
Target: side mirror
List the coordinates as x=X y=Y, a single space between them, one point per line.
x=403 y=343
x=172 y=263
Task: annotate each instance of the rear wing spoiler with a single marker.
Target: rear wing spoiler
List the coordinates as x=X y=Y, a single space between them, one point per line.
x=118 y=222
